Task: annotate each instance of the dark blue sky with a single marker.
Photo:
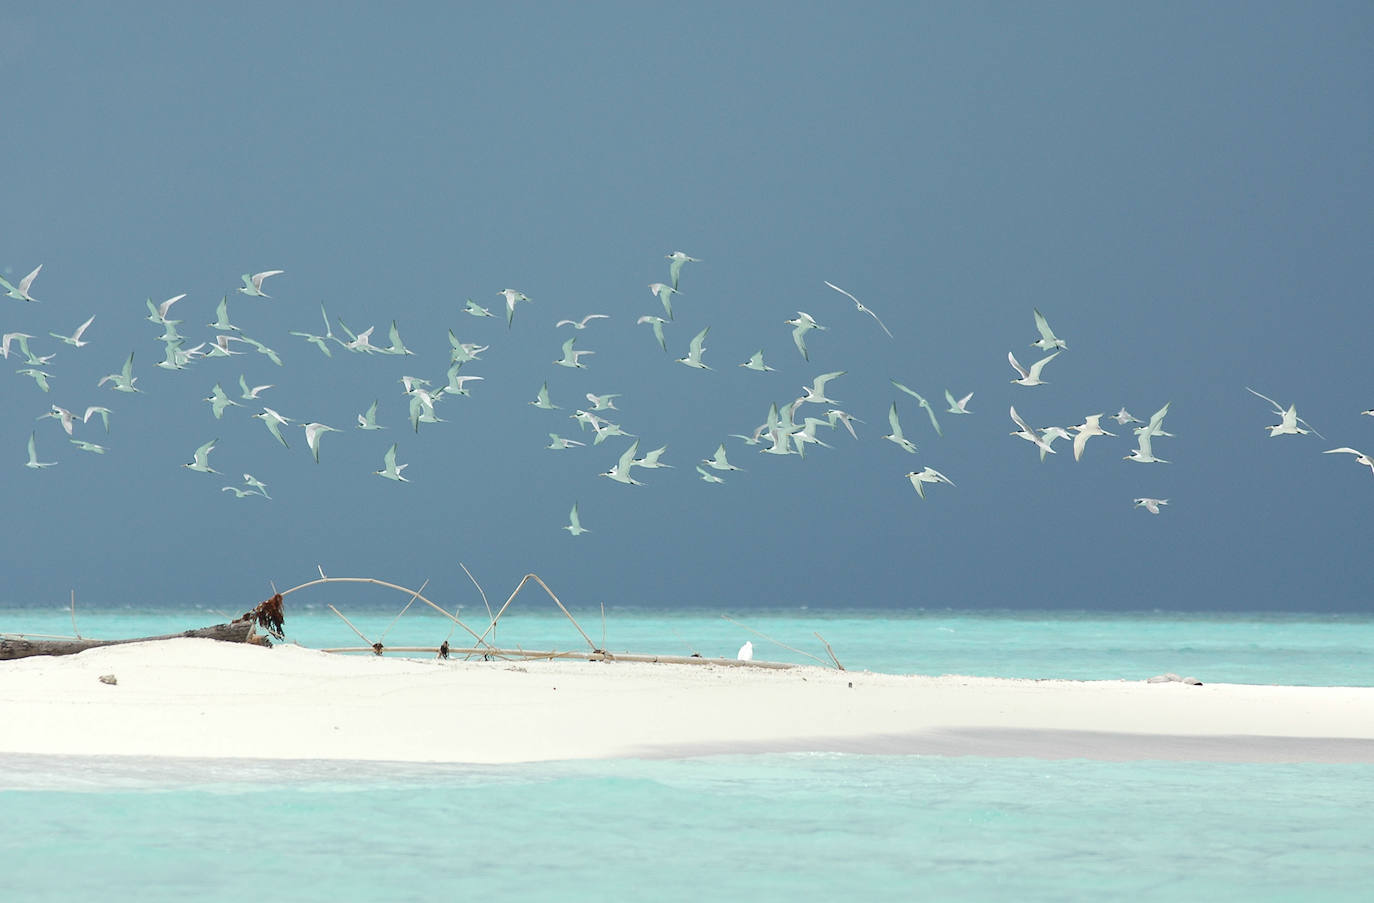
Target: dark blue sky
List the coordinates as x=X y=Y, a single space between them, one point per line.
x=1183 y=190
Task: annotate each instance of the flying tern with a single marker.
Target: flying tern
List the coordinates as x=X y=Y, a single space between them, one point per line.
x=511 y=296
x=718 y=461
x=1151 y=505
x=570 y=357
x=803 y=324
x=621 y=471
x=1360 y=457
x=957 y=407
x=273 y=421
x=123 y=380
x=219 y=401
x=928 y=475
x=860 y=306
x=663 y=293
x=1085 y=431
x=755 y=362
x=677 y=259
x=221 y=321
x=896 y=434
x=200 y=462
x=390 y=469
x=21 y=293
x=368 y=419
x=476 y=310
x=1031 y=377
x=248 y=394
x=574 y=525
x=313 y=432
x=75 y=338
x=694 y=351
x=542 y=401
x=1030 y=434
x=922 y=402
x=252 y=285
x=657 y=323
x=34 y=463
x=582 y=323
x=1048 y=339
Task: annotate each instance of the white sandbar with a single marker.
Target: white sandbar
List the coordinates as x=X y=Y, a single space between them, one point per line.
x=202 y=698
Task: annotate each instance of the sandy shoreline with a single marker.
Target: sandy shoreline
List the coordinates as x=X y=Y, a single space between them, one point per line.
x=200 y=698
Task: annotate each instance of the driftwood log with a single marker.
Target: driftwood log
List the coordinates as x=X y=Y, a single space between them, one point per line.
x=267 y=615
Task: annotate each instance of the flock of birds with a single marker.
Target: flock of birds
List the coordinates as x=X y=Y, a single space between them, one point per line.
x=787 y=429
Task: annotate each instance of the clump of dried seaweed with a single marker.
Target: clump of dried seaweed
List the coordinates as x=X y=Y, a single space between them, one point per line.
x=269 y=616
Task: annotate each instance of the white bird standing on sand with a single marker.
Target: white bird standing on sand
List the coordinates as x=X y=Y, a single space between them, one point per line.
x=570 y=357
x=252 y=285
x=860 y=306
x=928 y=475
x=1031 y=377
x=957 y=407
x=75 y=338
x=746 y=652
x=1085 y=431
x=1360 y=457
x=22 y=292
x=896 y=434
x=1048 y=339
x=1030 y=434
x=675 y=267
x=575 y=523
x=582 y=323
x=804 y=323
x=694 y=351
x=1151 y=505
x=200 y=462
x=33 y=462
x=390 y=469
x=511 y=296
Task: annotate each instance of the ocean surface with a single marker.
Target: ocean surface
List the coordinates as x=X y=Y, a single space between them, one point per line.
x=766 y=827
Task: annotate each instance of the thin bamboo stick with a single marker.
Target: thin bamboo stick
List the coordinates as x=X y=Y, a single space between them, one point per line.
x=584 y=656
x=829 y=651
x=518 y=588
x=404 y=610
x=370 y=645
x=373 y=580
x=771 y=640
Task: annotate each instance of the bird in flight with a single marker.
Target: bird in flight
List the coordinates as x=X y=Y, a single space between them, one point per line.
x=21 y=292
x=1048 y=339
x=861 y=307
x=1151 y=505
x=1031 y=377
x=677 y=259
x=252 y=285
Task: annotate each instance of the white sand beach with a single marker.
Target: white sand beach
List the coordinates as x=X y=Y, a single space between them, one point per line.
x=202 y=698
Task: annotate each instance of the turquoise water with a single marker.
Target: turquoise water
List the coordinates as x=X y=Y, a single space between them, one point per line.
x=771 y=827
x=1322 y=650
x=766 y=827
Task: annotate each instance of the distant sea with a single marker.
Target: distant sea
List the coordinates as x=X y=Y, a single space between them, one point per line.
x=762 y=827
